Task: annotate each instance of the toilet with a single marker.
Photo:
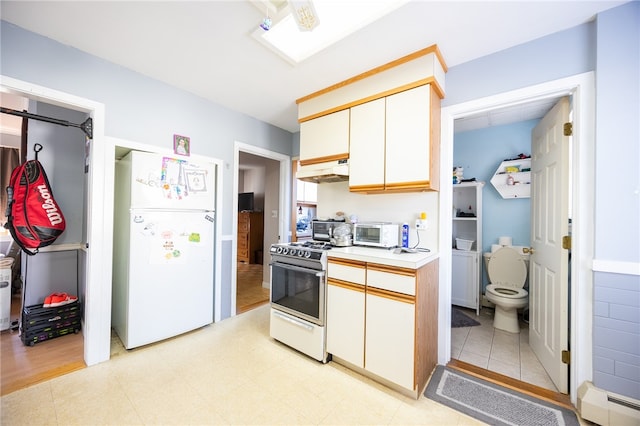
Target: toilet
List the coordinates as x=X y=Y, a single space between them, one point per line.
x=507 y=271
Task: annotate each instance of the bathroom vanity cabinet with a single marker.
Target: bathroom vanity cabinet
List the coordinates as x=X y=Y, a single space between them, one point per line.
x=467 y=225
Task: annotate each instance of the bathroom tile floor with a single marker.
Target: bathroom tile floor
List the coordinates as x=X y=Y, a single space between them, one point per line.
x=230 y=373
x=498 y=351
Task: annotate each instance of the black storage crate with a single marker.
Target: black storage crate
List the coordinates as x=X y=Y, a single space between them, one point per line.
x=40 y=324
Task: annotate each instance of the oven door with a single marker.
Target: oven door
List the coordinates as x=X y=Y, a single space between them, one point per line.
x=299 y=291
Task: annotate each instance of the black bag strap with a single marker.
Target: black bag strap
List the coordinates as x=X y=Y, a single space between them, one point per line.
x=37 y=148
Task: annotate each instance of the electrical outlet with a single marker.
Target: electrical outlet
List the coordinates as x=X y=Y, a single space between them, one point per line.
x=421 y=224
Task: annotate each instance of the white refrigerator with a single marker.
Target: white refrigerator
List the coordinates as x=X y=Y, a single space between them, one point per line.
x=163 y=266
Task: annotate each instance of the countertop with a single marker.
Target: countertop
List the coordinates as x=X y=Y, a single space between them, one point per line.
x=384 y=256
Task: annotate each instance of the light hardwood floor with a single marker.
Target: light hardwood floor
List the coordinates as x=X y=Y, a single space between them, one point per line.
x=249 y=290
x=23 y=366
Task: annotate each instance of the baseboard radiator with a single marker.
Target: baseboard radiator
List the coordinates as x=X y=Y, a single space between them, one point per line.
x=606 y=408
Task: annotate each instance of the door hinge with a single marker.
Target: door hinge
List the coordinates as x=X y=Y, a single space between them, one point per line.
x=568 y=129
x=566 y=357
x=566 y=242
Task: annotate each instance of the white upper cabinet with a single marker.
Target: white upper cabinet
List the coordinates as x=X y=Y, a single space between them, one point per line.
x=408 y=148
x=392 y=139
x=307 y=192
x=325 y=138
x=366 y=162
x=391 y=146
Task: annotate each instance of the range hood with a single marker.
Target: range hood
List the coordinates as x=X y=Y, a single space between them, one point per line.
x=332 y=171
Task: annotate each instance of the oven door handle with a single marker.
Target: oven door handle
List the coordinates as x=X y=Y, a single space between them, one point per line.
x=297 y=268
x=293 y=321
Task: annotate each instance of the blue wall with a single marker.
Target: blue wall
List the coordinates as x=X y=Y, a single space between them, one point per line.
x=138 y=108
x=480 y=153
x=141 y=109
x=62 y=157
x=616 y=326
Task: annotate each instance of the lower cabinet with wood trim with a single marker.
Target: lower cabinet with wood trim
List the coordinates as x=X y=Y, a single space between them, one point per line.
x=382 y=321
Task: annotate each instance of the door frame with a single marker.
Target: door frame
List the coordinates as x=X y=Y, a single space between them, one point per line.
x=582 y=88
x=283 y=204
x=97 y=302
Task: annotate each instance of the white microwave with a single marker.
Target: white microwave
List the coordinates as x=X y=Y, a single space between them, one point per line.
x=376 y=234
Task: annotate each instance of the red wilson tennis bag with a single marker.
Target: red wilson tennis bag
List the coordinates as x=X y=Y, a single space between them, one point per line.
x=34 y=218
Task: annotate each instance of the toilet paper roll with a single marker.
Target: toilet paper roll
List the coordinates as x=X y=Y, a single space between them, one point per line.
x=505 y=241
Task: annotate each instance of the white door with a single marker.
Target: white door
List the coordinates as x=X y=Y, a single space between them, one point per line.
x=549 y=266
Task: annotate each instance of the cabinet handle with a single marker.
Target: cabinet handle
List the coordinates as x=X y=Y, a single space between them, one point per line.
x=293 y=321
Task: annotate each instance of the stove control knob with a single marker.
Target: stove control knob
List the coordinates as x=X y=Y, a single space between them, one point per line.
x=285 y=250
x=307 y=254
x=279 y=250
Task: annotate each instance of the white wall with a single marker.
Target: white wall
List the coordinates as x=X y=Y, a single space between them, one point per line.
x=397 y=208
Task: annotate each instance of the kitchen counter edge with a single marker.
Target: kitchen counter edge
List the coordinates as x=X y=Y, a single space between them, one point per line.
x=384 y=256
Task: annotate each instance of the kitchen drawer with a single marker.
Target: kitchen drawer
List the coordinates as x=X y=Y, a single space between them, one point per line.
x=243 y=226
x=347 y=270
x=243 y=242
x=243 y=253
x=393 y=279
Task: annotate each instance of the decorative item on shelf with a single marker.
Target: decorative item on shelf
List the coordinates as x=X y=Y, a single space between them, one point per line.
x=458 y=175
x=510 y=180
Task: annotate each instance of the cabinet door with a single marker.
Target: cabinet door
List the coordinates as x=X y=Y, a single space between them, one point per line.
x=366 y=150
x=390 y=342
x=407 y=147
x=325 y=138
x=307 y=192
x=464 y=279
x=345 y=323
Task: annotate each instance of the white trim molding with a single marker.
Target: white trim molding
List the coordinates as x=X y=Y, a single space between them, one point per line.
x=582 y=88
x=616 y=267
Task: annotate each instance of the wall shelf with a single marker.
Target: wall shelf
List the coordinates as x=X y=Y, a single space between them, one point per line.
x=521 y=174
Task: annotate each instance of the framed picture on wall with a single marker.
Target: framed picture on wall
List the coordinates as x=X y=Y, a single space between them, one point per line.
x=181 y=145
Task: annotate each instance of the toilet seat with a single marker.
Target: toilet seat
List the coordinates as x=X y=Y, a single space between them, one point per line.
x=507 y=273
x=506 y=292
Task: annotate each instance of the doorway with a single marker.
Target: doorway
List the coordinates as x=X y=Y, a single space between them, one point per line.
x=68 y=149
x=257 y=224
x=254 y=193
x=97 y=272
x=481 y=143
x=581 y=88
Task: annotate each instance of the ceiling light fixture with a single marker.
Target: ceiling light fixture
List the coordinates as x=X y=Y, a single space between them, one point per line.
x=266 y=22
x=294 y=43
x=304 y=14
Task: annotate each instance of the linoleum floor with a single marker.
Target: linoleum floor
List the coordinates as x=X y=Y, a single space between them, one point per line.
x=231 y=373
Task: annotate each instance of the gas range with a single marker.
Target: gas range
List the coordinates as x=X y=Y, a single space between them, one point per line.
x=309 y=250
x=298 y=296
